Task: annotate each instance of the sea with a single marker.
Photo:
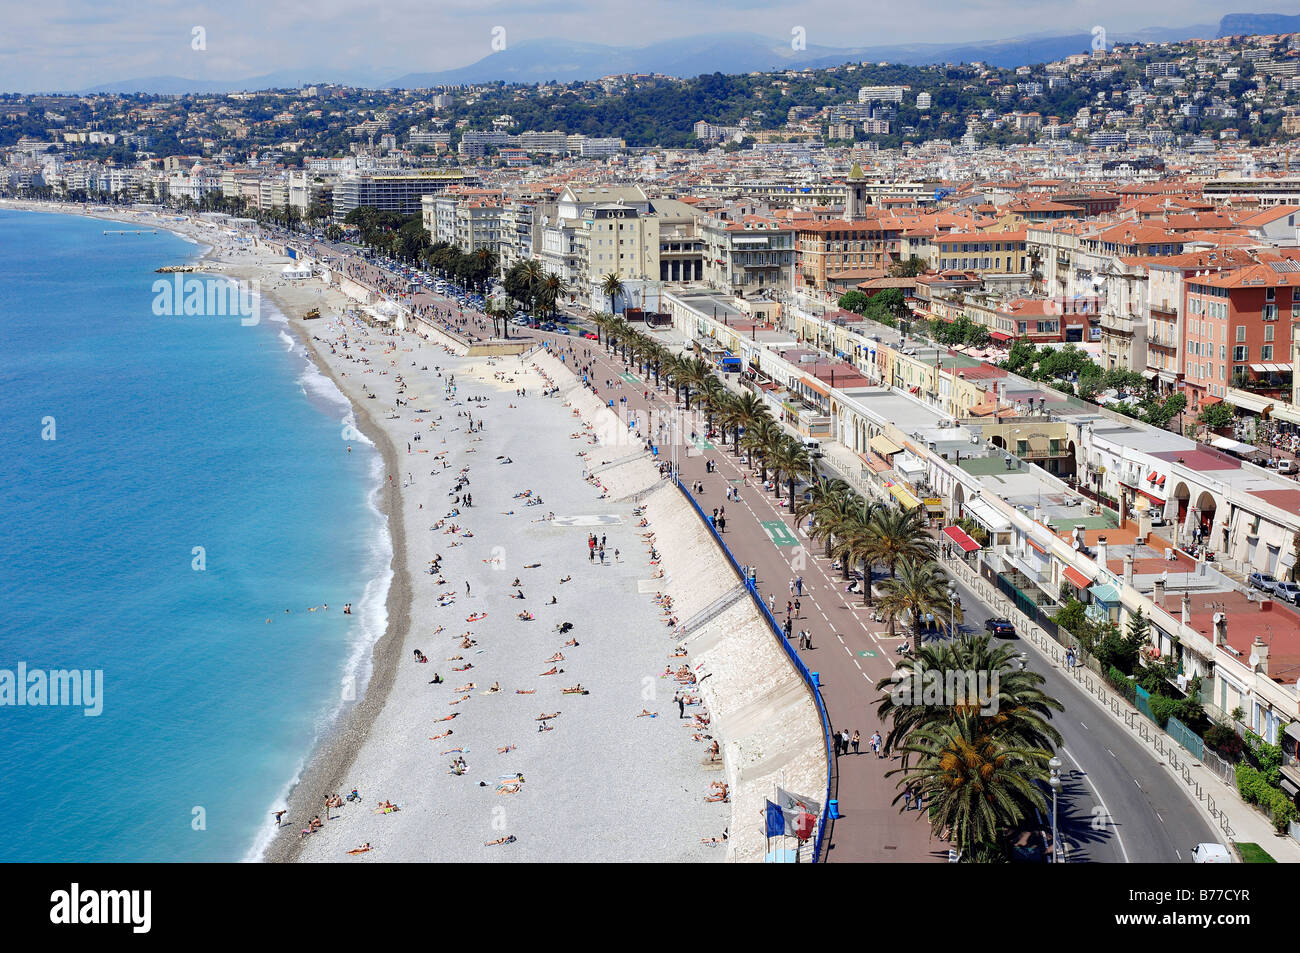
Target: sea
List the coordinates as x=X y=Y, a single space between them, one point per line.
x=178 y=496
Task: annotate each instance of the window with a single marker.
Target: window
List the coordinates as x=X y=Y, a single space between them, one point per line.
x=1241 y=333
x=1266 y=352
x=1240 y=353
x=1270 y=294
x=1268 y=333
x=1269 y=312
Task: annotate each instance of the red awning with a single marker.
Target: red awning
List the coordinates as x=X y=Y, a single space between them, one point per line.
x=1161 y=481
x=1078 y=579
x=959 y=536
x=1151 y=476
x=1152 y=497
x=1035 y=546
x=999 y=336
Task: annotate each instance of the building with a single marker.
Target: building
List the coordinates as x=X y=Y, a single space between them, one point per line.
x=393 y=191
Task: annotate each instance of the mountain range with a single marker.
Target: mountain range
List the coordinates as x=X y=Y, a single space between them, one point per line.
x=568 y=60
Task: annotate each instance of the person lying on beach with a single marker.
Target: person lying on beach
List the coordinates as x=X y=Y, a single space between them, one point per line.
x=476 y=617
x=532 y=565
x=496 y=687
x=552 y=671
x=420 y=656
x=648 y=714
x=526 y=616
x=575 y=690
x=462 y=668
x=518 y=594
x=717 y=797
x=565 y=579
x=501 y=840
x=467 y=687
x=449 y=717
x=545 y=717
x=506 y=750
x=571 y=642
x=362 y=849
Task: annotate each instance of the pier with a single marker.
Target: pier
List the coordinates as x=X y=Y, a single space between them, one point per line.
x=131 y=231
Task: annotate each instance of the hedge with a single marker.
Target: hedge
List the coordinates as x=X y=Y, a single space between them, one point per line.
x=1255 y=789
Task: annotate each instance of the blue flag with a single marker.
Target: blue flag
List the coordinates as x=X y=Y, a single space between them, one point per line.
x=775 y=820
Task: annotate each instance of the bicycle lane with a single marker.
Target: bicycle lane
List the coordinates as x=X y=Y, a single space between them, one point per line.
x=849 y=656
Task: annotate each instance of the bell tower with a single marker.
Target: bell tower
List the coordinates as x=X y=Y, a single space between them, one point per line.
x=855 y=194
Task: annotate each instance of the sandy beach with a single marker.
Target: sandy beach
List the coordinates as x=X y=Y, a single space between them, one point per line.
x=455 y=742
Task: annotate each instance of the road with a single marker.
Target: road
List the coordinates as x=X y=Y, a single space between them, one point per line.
x=1116 y=804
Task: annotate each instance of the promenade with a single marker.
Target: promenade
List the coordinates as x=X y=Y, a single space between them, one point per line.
x=851 y=653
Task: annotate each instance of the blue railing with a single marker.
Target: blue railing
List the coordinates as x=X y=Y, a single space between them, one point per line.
x=794 y=658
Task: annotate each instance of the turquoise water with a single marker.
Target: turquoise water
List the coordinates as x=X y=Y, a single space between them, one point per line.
x=170 y=433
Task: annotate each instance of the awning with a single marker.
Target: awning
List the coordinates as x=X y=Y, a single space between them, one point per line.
x=958 y=536
x=1076 y=578
x=1259 y=368
x=987 y=515
x=900 y=493
x=999 y=336
x=1152 y=497
x=1150 y=375
x=1106 y=592
x=883 y=445
x=1233 y=446
x=1041 y=550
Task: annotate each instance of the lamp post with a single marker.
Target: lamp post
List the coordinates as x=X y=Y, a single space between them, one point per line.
x=1054 y=766
x=952 y=611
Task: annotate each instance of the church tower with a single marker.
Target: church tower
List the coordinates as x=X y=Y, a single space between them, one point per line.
x=855 y=194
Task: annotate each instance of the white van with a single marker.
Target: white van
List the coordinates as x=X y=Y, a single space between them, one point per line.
x=814 y=447
x=1286 y=466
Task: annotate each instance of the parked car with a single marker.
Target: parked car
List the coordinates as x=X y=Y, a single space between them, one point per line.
x=1289 y=591
x=590 y=336
x=1262 y=580
x=1002 y=628
x=1285 y=466
x=1211 y=854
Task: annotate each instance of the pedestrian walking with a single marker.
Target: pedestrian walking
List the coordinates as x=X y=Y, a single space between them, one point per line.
x=681 y=705
x=722 y=524
x=844 y=737
x=875 y=743
x=771 y=599
x=792 y=587
x=798 y=586
x=837 y=744
x=789 y=608
x=855 y=740
x=907 y=798
x=797 y=610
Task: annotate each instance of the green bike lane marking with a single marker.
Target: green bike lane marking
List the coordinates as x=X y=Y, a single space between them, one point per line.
x=779 y=533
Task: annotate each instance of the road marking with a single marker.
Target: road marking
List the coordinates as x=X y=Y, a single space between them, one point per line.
x=779 y=533
x=1097 y=794
x=1111 y=753
x=1085 y=727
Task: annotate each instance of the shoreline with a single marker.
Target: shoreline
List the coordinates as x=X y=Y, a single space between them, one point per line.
x=335 y=752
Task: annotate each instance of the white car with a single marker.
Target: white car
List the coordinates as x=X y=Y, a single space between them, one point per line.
x=1211 y=854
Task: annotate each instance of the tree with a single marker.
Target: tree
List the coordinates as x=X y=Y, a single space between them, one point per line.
x=1216 y=416
x=855 y=301
x=975 y=784
x=915 y=590
x=908 y=268
x=612 y=286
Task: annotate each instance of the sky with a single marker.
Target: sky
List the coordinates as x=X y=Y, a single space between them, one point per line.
x=48 y=45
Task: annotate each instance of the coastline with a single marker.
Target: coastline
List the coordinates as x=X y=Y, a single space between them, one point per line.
x=333 y=756
x=334 y=750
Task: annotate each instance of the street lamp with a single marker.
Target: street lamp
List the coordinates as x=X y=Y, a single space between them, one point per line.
x=1054 y=767
x=952 y=611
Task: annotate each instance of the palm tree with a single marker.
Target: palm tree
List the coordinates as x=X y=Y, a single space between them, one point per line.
x=852 y=544
x=749 y=408
x=612 y=286
x=758 y=439
x=790 y=460
x=829 y=501
x=1015 y=707
x=712 y=393
x=917 y=589
x=976 y=784
x=898 y=535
